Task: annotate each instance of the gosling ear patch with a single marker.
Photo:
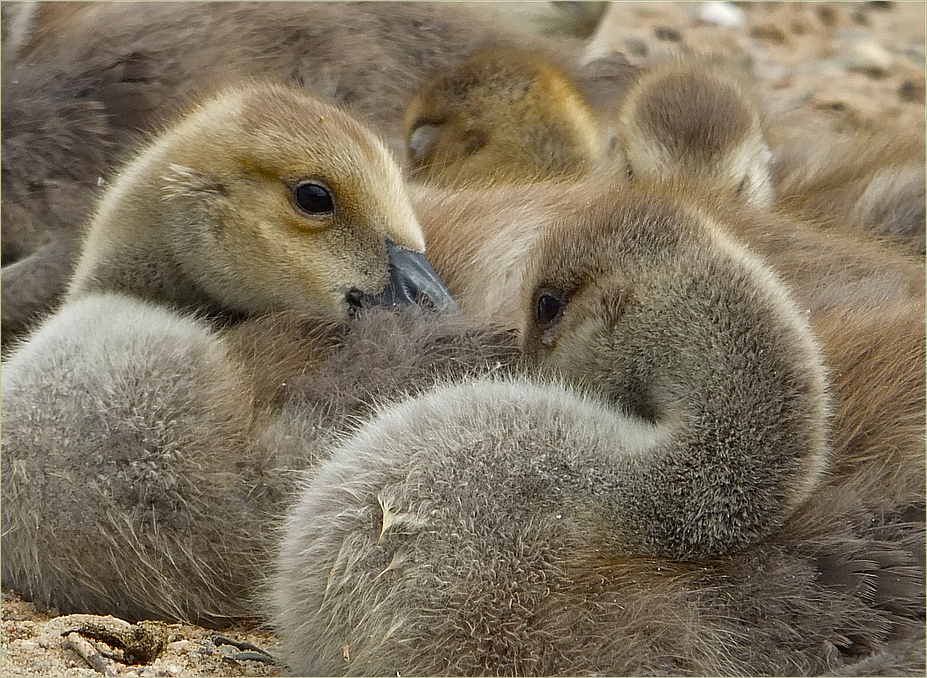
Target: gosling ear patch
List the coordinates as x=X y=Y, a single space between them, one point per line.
x=614 y=304
x=186 y=182
x=474 y=141
x=611 y=142
x=744 y=188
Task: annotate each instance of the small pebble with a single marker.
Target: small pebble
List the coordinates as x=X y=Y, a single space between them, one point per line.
x=636 y=47
x=228 y=651
x=833 y=105
x=49 y=641
x=827 y=14
x=869 y=58
x=724 y=14
x=183 y=646
x=769 y=33
x=912 y=90
x=668 y=34
x=917 y=52
x=800 y=28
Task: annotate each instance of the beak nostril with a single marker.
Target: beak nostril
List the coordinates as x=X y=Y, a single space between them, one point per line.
x=354 y=300
x=353 y=297
x=425 y=301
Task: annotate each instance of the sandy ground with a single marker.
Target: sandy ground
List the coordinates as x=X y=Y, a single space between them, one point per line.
x=840 y=66
x=849 y=66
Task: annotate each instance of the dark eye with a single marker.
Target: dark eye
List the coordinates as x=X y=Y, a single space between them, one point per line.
x=314 y=198
x=548 y=310
x=422 y=141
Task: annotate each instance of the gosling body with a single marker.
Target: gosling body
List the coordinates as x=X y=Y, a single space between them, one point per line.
x=873 y=184
x=489 y=561
x=148 y=458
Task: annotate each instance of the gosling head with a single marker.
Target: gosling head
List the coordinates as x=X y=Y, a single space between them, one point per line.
x=505 y=113
x=697 y=124
x=258 y=200
x=643 y=296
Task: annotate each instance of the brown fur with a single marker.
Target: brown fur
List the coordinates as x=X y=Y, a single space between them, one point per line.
x=146 y=76
x=337 y=50
x=876 y=360
x=484 y=266
x=872 y=183
x=54 y=153
x=691 y=122
x=282 y=354
x=578 y=19
x=699 y=123
x=719 y=104
x=479 y=240
x=56 y=149
x=30 y=285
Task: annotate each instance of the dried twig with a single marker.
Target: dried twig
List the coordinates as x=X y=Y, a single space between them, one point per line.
x=90 y=654
x=252 y=652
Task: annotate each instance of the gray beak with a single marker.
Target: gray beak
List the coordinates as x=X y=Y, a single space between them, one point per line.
x=412 y=281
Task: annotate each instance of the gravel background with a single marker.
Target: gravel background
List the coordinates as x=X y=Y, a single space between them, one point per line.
x=837 y=67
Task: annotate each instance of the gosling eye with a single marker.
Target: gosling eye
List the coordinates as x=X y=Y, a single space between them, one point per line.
x=549 y=309
x=422 y=141
x=314 y=198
